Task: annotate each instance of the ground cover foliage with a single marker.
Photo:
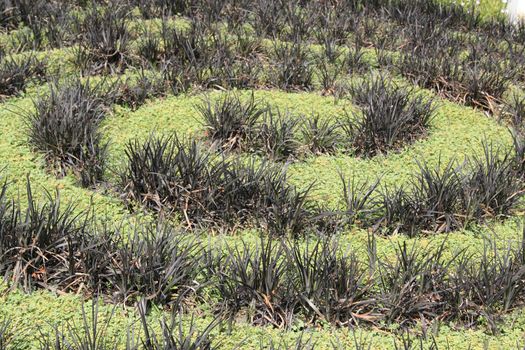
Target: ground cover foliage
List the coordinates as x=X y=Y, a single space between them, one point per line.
x=396 y=65
x=48 y=246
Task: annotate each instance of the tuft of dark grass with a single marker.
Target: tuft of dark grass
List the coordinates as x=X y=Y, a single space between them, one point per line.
x=443 y=199
x=164 y=172
x=90 y=334
x=268 y=15
x=293 y=66
x=478 y=78
x=320 y=135
x=434 y=197
x=286 y=210
x=187 y=57
x=414 y=286
x=355 y=59
x=230 y=120
x=255 y=278
x=514 y=112
x=134 y=92
x=174 y=335
x=64 y=126
x=518 y=140
x=104 y=40
x=328 y=74
x=16 y=74
x=494 y=187
x=391 y=116
x=151 y=9
x=359 y=200
x=485 y=80
x=276 y=135
x=149 y=47
x=330 y=287
x=487 y=285
x=155 y=263
x=34 y=241
x=167 y=174
x=432 y=204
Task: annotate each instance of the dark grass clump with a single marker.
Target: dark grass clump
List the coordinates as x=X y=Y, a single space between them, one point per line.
x=64 y=126
x=155 y=263
x=484 y=79
x=329 y=286
x=494 y=184
x=276 y=135
x=230 y=120
x=186 y=57
x=105 y=40
x=8 y=15
x=149 y=47
x=414 y=286
x=432 y=202
x=359 y=201
x=488 y=285
x=49 y=24
x=16 y=12
x=477 y=78
x=168 y=174
x=164 y=172
x=92 y=332
x=134 y=92
x=434 y=198
x=37 y=244
x=519 y=152
x=443 y=198
x=392 y=116
x=51 y=246
x=255 y=277
x=514 y=113
x=151 y=9
x=293 y=66
x=173 y=335
x=321 y=135
x=16 y=74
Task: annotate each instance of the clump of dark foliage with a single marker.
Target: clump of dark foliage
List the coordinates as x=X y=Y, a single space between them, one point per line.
x=104 y=40
x=231 y=121
x=169 y=174
x=391 y=116
x=251 y=125
x=442 y=198
x=276 y=135
x=16 y=74
x=64 y=126
x=134 y=92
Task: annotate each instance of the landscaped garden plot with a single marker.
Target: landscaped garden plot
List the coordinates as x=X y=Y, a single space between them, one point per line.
x=277 y=174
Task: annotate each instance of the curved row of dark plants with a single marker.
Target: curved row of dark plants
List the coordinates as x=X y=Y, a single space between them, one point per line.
x=176 y=334
x=64 y=124
x=275 y=282
x=436 y=44
x=206 y=189
x=390 y=117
